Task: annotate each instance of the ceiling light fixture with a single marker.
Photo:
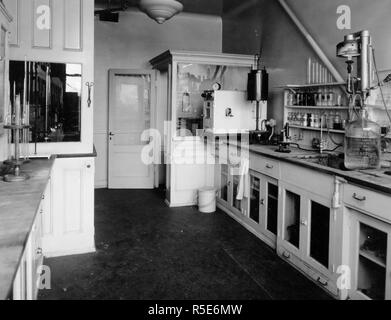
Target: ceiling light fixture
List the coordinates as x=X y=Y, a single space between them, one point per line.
x=161 y=10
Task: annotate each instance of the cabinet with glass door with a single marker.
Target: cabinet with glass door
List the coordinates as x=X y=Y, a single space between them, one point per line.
x=370 y=262
x=307 y=234
x=263 y=207
x=228 y=185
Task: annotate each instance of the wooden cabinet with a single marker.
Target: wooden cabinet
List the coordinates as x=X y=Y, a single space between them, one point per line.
x=186 y=75
x=370 y=263
x=307 y=234
x=227 y=185
x=336 y=233
x=69 y=218
x=370 y=243
x=263 y=206
x=27 y=277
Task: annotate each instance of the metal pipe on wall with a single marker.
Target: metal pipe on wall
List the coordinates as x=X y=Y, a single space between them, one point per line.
x=312 y=42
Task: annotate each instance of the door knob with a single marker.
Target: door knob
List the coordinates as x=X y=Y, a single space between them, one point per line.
x=262 y=202
x=111 y=134
x=304 y=222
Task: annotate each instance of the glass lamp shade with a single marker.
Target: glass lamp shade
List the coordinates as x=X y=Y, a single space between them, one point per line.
x=161 y=10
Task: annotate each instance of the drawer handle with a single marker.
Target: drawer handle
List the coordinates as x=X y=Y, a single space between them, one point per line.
x=359 y=198
x=323 y=282
x=269 y=166
x=39 y=251
x=286 y=254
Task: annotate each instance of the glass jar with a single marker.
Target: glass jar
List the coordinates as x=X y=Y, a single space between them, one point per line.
x=362 y=143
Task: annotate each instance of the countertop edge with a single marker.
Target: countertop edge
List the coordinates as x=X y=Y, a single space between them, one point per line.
x=319 y=168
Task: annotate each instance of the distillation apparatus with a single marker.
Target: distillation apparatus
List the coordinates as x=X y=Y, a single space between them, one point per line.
x=362 y=136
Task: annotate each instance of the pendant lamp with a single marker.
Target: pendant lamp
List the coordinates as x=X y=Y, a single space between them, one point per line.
x=161 y=10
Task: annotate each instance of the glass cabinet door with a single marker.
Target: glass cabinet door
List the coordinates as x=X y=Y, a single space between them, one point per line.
x=320 y=233
x=255 y=198
x=237 y=204
x=372 y=262
x=292 y=218
x=272 y=208
x=224 y=182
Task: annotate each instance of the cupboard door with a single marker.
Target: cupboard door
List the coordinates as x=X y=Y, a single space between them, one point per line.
x=370 y=259
x=291 y=229
x=73 y=207
x=319 y=233
x=224 y=183
x=236 y=204
x=271 y=222
x=255 y=199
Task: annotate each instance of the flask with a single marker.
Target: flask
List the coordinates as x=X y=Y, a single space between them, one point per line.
x=362 y=143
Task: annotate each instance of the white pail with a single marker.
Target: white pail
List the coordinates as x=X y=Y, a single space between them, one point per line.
x=207 y=200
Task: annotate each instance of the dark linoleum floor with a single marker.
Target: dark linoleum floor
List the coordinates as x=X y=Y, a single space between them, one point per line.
x=146 y=250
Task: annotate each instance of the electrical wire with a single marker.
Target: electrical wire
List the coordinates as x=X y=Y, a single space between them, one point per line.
x=313 y=150
x=380 y=85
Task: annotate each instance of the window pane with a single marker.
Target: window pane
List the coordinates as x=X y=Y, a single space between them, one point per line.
x=292 y=219
x=192 y=80
x=255 y=199
x=236 y=203
x=132 y=111
x=53 y=99
x=272 y=208
x=372 y=262
x=320 y=233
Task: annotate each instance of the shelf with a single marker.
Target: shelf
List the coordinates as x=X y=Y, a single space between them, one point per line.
x=325 y=130
x=378 y=106
x=300 y=86
x=372 y=257
x=319 y=107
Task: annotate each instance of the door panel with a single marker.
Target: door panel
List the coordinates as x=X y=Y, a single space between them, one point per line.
x=131 y=109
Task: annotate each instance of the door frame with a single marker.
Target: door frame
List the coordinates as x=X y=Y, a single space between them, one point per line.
x=154 y=79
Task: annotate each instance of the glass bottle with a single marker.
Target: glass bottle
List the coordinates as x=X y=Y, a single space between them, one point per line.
x=362 y=143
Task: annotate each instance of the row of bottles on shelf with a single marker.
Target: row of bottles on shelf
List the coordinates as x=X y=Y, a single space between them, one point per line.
x=321 y=97
x=327 y=120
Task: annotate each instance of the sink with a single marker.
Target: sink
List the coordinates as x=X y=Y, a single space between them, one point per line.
x=334 y=161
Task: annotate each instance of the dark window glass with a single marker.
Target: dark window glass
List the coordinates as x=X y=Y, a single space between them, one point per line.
x=53 y=99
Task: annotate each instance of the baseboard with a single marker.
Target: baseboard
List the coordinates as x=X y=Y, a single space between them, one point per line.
x=179 y=205
x=72 y=252
x=101 y=184
x=68 y=245
x=249 y=228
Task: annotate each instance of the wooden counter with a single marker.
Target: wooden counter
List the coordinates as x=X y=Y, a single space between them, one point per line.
x=19 y=203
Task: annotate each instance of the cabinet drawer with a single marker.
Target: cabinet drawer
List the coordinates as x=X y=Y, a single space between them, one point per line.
x=266 y=166
x=372 y=202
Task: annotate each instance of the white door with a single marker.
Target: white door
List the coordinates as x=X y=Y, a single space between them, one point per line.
x=132 y=94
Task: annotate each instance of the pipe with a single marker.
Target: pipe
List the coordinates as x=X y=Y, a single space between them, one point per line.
x=312 y=42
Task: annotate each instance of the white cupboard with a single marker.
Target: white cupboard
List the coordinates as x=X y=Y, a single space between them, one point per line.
x=69 y=220
x=26 y=282
x=186 y=75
